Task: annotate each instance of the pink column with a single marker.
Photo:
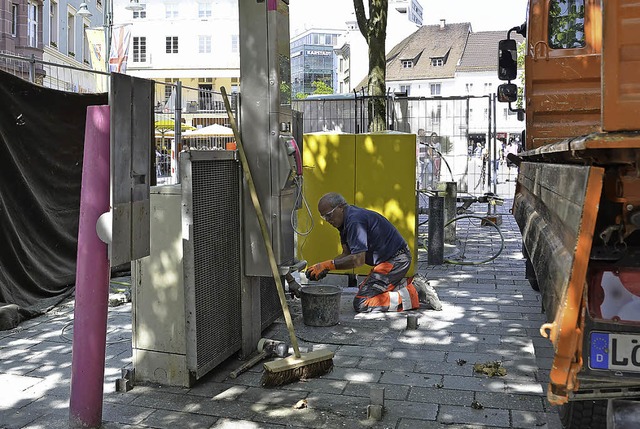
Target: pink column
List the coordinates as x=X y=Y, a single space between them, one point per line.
x=92 y=278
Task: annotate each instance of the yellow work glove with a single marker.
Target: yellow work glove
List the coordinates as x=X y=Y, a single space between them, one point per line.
x=320 y=270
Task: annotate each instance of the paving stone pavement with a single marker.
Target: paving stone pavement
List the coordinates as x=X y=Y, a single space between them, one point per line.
x=489 y=314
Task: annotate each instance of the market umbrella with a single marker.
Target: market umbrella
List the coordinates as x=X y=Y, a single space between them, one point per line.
x=211 y=130
x=165 y=128
x=166 y=125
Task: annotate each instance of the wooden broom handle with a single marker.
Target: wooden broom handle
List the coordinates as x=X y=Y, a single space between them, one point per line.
x=262 y=222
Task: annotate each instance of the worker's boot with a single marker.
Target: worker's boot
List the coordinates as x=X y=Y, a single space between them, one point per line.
x=426 y=293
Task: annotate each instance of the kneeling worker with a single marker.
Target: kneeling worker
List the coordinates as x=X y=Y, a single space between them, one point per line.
x=369 y=238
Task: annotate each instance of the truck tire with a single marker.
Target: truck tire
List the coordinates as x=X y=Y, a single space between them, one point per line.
x=584 y=415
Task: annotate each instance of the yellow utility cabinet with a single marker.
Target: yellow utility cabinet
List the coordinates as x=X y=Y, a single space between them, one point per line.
x=376 y=171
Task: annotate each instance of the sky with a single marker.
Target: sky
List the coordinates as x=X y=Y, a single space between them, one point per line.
x=484 y=15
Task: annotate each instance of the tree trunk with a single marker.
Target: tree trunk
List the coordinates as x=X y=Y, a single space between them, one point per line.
x=374 y=31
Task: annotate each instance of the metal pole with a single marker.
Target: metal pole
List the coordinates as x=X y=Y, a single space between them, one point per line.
x=355 y=109
x=177 y=132
x=92 y=278
x=488 y=158
x=435 y=246
x=495 y=148
x=107 y=23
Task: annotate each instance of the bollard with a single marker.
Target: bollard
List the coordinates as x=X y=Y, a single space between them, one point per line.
x=450 y=190
x=92 y=278
x=412 y=322
x=435 y=246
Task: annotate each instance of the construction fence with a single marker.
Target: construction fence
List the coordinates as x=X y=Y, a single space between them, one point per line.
x=457 y=137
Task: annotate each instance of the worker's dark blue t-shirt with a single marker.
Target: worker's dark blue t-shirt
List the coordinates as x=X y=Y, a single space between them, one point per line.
x=367 y=231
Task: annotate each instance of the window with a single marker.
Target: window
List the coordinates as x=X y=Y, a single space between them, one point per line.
x=341 y=67
x=71 y=40
x=53 y=23
x=566 y=24
x=14 y=20
x=139 y=49
x=406 y=89
x=141 y=14
x=435 y=88
x=204 y=44
x=234 y=43
x=487 y=88
x=407 y=64
x=86 y=53
x=32 y=24
x=328 y=40
x=172 y=44
x=437 y=62
x=171 y=10
x=204 y=10
x=469 y=87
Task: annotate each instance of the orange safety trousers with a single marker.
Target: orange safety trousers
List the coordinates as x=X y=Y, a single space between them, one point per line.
x=386 y=289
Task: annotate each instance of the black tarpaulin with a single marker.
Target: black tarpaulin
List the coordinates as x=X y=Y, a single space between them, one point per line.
x=41 y=147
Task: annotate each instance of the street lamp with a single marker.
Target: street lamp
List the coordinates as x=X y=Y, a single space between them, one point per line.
x=84 y=11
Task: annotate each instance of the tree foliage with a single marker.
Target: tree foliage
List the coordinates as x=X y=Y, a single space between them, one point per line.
x=374 y=30
x=521 y=55
x=566 y=24
x=321 y=88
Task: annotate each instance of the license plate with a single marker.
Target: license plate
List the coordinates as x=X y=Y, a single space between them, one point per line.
x=615 y=351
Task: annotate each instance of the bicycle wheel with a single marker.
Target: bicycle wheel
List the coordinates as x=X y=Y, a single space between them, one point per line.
x=478 y=240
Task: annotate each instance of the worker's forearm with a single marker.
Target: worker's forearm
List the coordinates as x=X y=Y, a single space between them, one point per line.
x=345 y=262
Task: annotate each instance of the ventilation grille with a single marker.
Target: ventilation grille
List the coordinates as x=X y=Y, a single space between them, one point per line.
x=270 y=305
x=216 y=250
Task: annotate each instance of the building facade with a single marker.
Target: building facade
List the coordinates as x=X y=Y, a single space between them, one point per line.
x=21 y=35
x=449 y=60
x=66 y=42
x=411 y=8
x=477 y=76
x=313 y=59
x=196 y=42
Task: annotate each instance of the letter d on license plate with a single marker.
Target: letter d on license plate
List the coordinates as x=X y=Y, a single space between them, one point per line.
x=615 y=351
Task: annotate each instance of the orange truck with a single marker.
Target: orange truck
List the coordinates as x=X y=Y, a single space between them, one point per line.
x=577 y=198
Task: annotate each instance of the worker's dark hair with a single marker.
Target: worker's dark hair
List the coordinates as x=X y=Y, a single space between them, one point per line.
x=334 y=199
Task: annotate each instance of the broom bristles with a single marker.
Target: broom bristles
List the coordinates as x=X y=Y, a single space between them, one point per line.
x=304 y=372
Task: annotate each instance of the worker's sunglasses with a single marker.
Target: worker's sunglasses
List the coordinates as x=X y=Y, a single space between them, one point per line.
x=328 y=214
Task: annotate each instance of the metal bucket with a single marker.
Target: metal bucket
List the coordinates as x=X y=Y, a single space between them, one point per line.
x=320 y=305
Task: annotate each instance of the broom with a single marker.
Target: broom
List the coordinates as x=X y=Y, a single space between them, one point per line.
x=299 y=366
